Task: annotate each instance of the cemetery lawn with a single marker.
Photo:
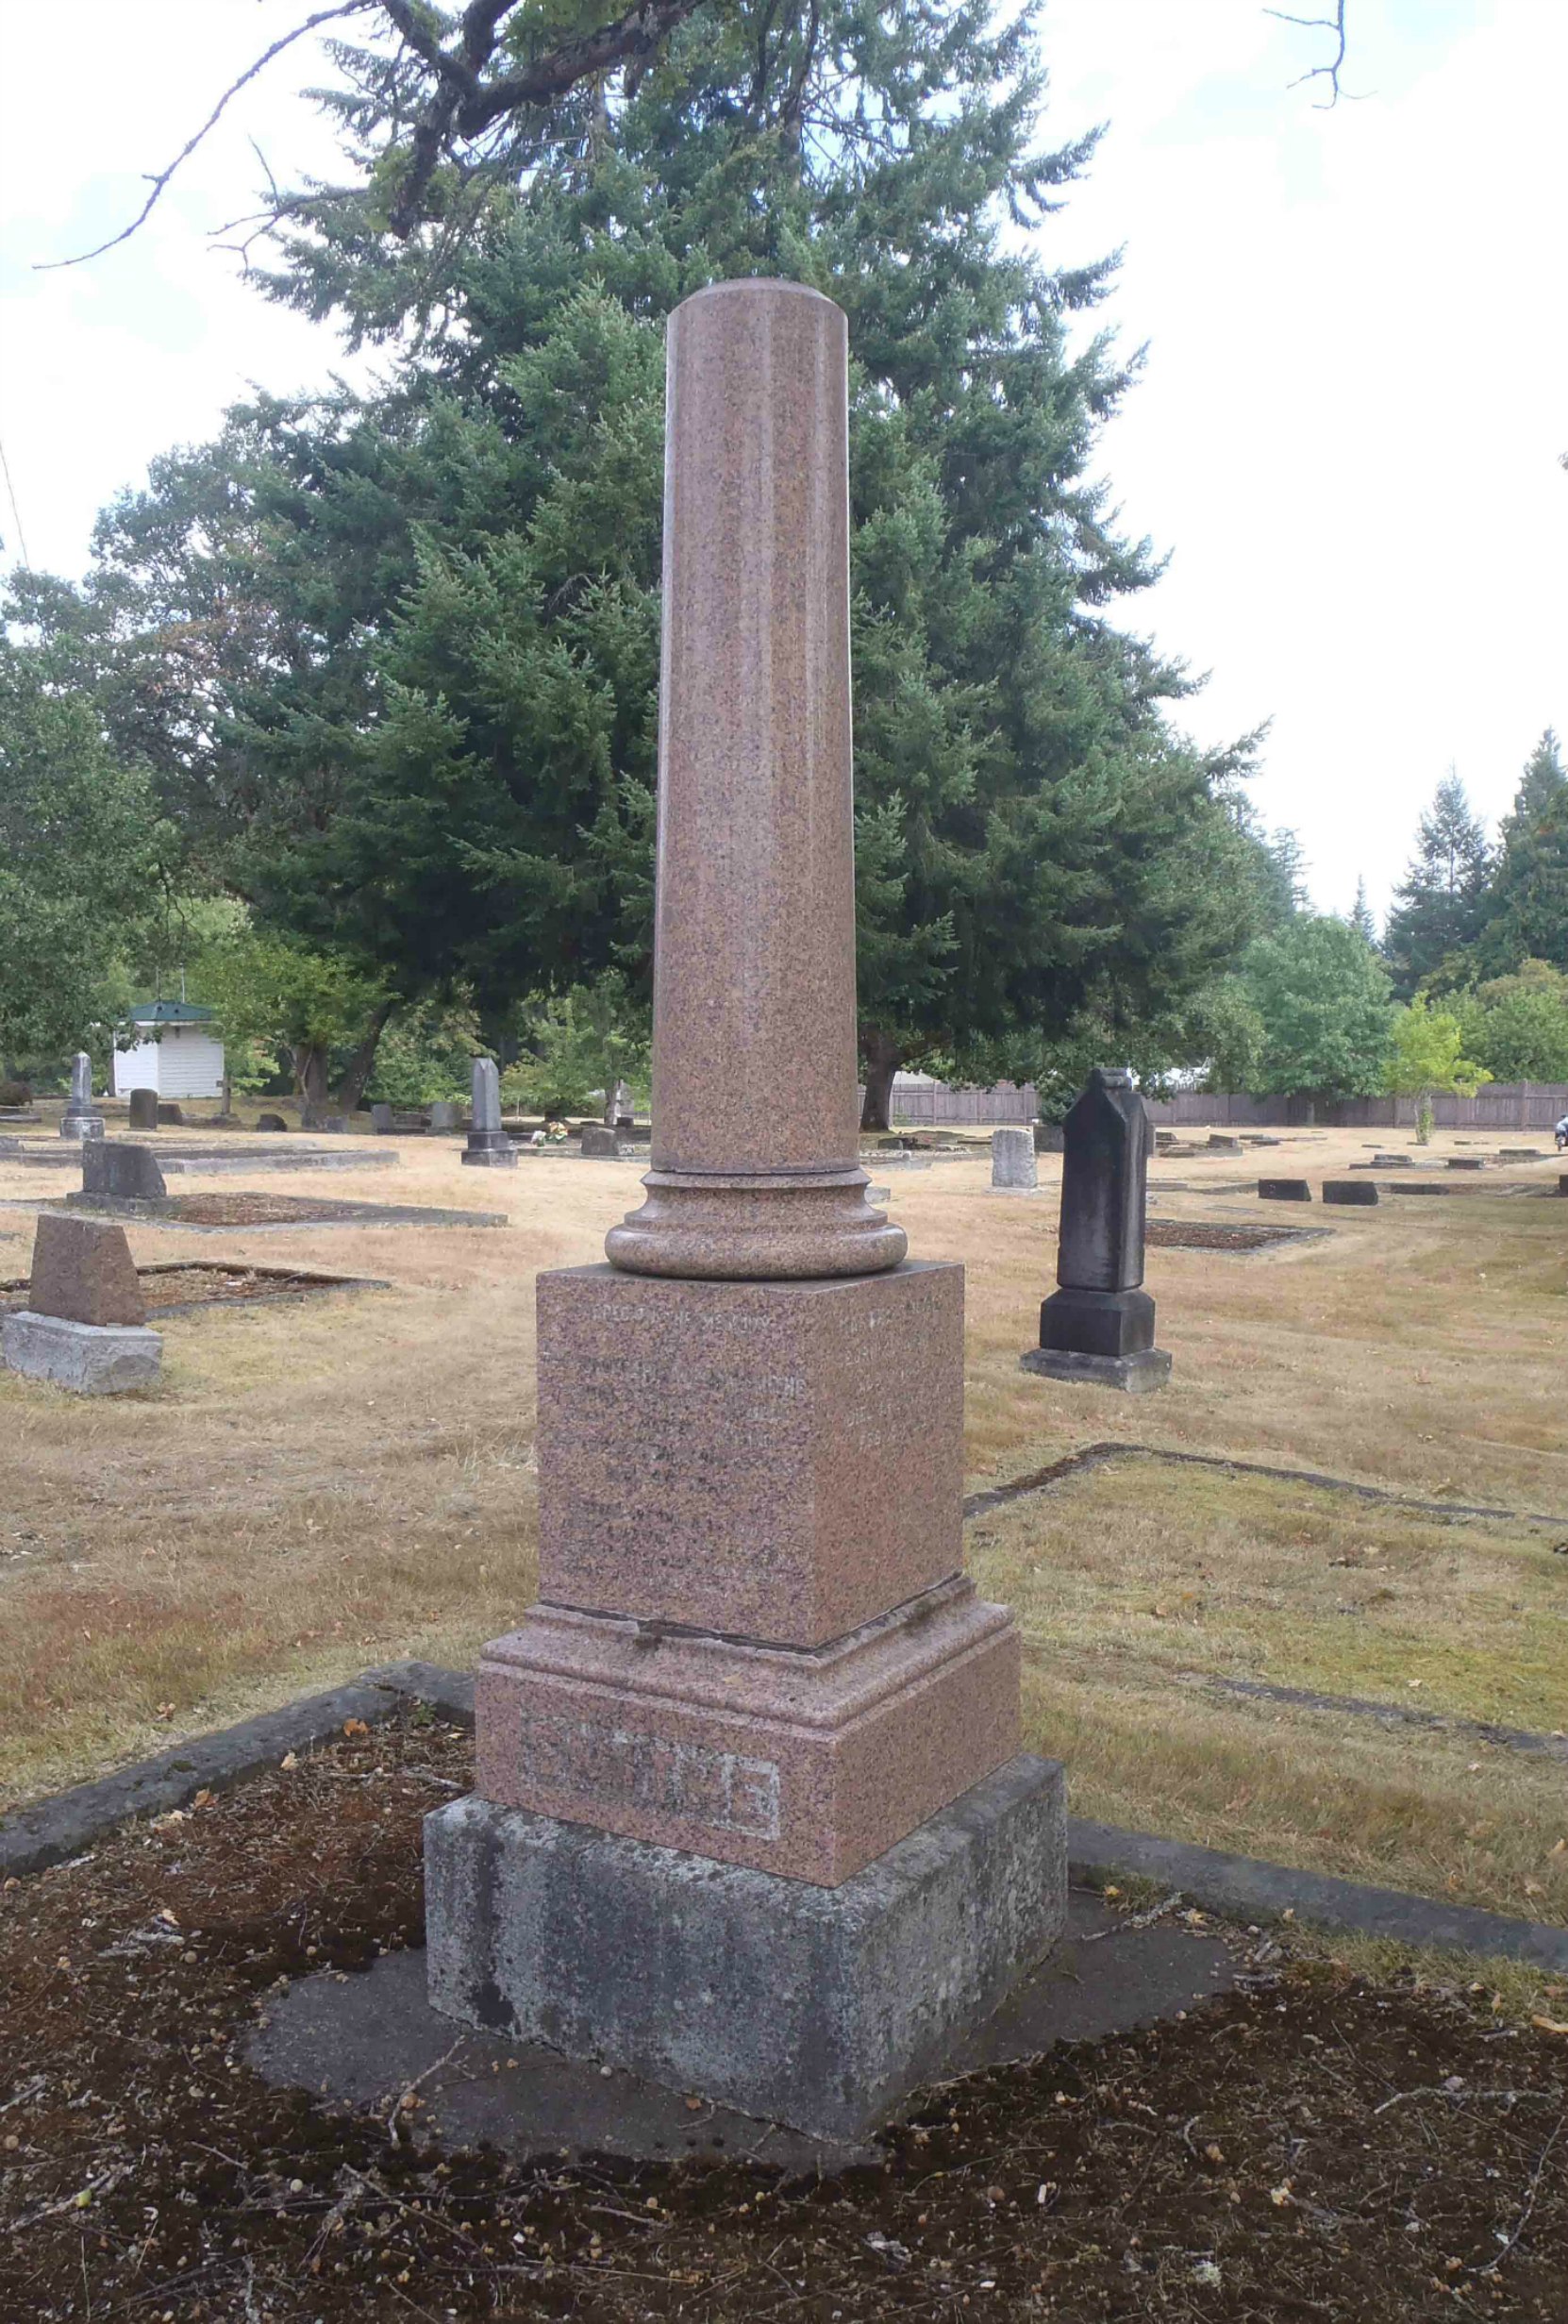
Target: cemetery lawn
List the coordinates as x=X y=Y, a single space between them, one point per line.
x=320 y=1486
x=1316 y=2143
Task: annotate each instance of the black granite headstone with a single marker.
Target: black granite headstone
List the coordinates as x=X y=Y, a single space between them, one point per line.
x=1285 y=1190
x=1099 y=1325
x=1360 y=1193
x=144 y=1109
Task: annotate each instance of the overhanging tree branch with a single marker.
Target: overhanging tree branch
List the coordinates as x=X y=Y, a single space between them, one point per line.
x=159 y=183
x=465 y=104
x=1329 y=72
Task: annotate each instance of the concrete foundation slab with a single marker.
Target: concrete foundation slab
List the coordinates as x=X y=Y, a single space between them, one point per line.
x=1137 y=1374
x=357 y=2041
x=817 y=2008
x=94 y=1360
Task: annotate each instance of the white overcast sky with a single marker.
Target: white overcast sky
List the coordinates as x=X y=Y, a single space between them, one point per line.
x=1347 y=434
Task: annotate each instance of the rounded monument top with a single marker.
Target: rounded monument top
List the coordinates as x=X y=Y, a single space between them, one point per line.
x=751 y=283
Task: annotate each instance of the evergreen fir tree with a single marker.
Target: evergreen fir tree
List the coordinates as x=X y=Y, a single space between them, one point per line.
x=444 y=758
x=1360 y=915
x=1438 y=908
x=1526 y=908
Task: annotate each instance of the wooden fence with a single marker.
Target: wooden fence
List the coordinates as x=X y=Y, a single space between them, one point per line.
x=1502 y=1104
x=937 y=1105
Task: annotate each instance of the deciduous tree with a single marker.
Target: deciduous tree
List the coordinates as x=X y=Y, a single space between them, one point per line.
x=1321 y=994
x=1425 y=1057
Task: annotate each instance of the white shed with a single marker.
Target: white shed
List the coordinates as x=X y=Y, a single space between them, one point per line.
x=176 y=1052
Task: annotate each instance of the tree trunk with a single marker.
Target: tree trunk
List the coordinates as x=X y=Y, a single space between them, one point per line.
x=881 y=1054
x=310 y=1061
x=351 y=1088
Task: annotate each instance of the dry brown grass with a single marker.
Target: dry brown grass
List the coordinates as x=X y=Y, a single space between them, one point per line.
x=322 y=1485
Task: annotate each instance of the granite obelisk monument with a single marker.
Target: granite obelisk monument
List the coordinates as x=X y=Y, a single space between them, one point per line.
x=750 y=1816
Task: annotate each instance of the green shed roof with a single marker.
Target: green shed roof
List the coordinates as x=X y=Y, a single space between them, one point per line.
x=170 y=1012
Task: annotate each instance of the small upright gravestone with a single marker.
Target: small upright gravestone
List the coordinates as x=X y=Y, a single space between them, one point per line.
x=600 y=1143
x=1099 y=1326
x=113 y=1173
x=489 y=1147
x=80 y=1119
x=1012 y=1169
x=83 y=1327
x=270 y=1121
x=443 y=1113
x=1360 y=1194
x=381 y=1120
x=144 y=1109
x=1284 y=1190
x=618 y=1107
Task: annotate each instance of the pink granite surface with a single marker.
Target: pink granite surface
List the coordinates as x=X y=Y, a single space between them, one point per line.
x=83 y=1272
x=807 y=1765
x=754 y=959
x=784 y=1461
x=743 y=1227
x=753 y=1643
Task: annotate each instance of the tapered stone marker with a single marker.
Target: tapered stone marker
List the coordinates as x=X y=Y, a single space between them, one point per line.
x=1098 y=1327
x=760 y=1734
x=81 y=1119
x=488 y=1146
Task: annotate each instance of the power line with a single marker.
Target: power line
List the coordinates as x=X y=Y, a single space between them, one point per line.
x=10 y=493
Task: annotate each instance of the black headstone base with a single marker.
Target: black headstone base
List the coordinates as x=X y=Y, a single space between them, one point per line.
x=1097 y=1323
x=489 y=1149
x=1136 y=1375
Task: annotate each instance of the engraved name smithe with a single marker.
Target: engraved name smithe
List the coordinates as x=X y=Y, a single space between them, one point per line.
x=614 y=1765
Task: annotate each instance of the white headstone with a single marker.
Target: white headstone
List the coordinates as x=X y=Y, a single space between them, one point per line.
x=1012 y=1160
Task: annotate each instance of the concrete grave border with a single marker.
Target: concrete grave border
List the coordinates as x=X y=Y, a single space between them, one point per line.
x=54 y=1831
x=369 y=1214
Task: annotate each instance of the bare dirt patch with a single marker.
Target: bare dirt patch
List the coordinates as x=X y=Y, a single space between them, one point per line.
x=168 y=1289
x=1196 y=1234
x=1316 y=2144
x=252 y=1209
